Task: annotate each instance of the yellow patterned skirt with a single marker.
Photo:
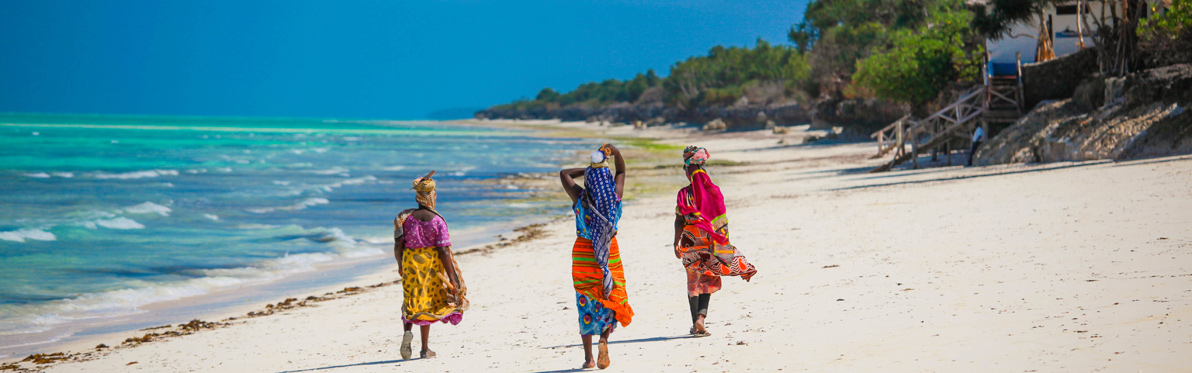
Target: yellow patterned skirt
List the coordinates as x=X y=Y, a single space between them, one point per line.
x=428 y=295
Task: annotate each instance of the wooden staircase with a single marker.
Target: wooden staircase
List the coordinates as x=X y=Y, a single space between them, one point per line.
x=998 y=101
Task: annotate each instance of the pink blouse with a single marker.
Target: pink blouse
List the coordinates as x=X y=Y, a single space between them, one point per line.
x=420 y=234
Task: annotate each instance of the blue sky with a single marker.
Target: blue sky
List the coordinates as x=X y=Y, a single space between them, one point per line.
x=397 y=59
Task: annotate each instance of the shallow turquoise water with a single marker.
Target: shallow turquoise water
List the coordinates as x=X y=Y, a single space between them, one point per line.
x=102 y=215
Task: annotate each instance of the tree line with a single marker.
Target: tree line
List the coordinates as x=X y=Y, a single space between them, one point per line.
x=900 y=50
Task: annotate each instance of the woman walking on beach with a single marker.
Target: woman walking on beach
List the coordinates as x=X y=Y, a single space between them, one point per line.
x=434 y=289
x=596 y=271
x=701 y=238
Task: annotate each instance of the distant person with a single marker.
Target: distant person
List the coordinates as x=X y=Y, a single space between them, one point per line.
x=422 y=246
x=596 y=270
x=701 y=239
x=978 y=137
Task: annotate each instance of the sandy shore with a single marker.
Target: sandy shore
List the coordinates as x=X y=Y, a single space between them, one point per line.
x=1059 y=267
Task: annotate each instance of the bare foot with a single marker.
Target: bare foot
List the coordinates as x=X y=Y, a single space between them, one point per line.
x=426 y=354
x=603 y=362
x=588 y=364
x=700 y=330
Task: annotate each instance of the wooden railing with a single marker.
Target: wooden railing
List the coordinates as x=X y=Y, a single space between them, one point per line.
x=968 y=107
x=892 y=137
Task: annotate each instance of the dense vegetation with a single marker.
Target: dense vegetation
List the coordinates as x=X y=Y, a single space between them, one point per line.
x=923 y=62
x=900 y=50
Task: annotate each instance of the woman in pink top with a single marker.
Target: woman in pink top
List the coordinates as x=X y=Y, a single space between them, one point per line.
x=434 y=289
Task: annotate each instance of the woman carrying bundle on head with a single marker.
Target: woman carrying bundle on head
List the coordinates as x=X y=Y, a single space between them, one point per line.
x=433 y=288
x=701 y=238
x=596 y=270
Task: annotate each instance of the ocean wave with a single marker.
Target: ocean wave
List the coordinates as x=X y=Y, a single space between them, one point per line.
x=114 y=223
x=20 y=235
x=25 y=319
x=353 y=181
x=136 y=174
x=148 y=208
x=313 y=201
x=211 y=216
x=331 y=171
x=43 y=175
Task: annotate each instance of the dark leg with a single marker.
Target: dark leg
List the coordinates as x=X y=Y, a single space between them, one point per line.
x=694 y=302
x=408 y=326
x=703 y=304
x=972 y=152
x=426 y=352
x=589 y=360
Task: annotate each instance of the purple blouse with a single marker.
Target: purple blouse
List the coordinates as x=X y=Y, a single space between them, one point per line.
x=420 y=234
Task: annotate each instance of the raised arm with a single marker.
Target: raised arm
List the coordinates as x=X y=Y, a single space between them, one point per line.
x=620 y=163
x=568 y=176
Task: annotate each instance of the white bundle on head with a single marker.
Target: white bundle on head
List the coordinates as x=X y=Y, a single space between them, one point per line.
x=599 y=159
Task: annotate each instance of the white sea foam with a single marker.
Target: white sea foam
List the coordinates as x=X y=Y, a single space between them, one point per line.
x=281 y=182
x=136 y=174
x=332 y=171
x=42 y=317
x=393 y=168
x=211 y=216
x=20 y=235
x=148 y=208
x=118 y=223
x=64 y=174
x=353 y=181
x=38 y=175
x=297 y=206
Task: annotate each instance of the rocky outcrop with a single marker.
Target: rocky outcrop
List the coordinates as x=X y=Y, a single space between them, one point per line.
x=1141 y=115
x=856 y=115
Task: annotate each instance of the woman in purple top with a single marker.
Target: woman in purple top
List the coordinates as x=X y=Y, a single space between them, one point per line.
x=434 y=289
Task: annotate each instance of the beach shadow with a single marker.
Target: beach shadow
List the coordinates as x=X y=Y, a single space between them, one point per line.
x=383 y=362
x=966 y=177
x=568 y=370
x=1153 y=160
x=639 y=340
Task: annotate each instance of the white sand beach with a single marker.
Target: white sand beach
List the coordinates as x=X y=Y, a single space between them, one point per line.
x=1020 y=268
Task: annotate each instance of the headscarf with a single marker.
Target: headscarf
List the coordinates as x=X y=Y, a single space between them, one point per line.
x=424 y=188
x=706 y=200
x=695 y=155
x=601 y=203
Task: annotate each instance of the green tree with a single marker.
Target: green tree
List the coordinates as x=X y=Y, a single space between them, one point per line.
x=921 y=64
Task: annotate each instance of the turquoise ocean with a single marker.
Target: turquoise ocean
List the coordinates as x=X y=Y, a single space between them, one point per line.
x=104 y=217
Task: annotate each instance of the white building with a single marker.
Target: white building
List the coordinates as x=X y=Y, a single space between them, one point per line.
x=1067 y=32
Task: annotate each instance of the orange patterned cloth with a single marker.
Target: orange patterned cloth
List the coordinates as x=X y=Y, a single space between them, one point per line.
x=587 y=277
x=705 y=249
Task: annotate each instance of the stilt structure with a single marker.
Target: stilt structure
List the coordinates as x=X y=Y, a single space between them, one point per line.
x=998 y=101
